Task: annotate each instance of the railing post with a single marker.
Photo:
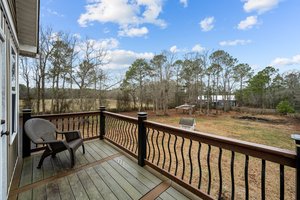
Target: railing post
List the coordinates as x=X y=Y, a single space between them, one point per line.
x=26 y=144
x=102 y=122
x=141 y=138
x=296 y=137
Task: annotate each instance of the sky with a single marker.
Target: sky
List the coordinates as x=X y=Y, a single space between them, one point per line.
x=257 y=32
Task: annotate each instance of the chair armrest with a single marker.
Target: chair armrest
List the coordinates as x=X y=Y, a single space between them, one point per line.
x=70 y=135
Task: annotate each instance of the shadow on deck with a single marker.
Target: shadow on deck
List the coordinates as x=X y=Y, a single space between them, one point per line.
x=103 y=172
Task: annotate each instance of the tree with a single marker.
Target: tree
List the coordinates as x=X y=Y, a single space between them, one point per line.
x=242 y=73
x=136 y=75
x=25 y=74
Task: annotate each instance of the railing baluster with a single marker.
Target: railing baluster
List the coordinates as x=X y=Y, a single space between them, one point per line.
x=263 y=179
x=232 y=174
x=88 y=126
x=148 y=144
x=199 y=165
x=136 y=138
x=182 y=157
x=176 y=159
x=190 y=159
x=93 y=125
x=220 y=173
x=170 y=156
x=68 y=123
x=158 y=149
x=83 y=126
x=153 y=146
x=128 y=129
x=209 y=170
x=281 y=182
x=246 y=177
x=163 y=147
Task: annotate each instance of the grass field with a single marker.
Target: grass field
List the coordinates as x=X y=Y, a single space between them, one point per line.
x=275 y=133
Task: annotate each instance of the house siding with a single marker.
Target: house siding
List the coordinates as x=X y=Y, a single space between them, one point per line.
x=12 y=149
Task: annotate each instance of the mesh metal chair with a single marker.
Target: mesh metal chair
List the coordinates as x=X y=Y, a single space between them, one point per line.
x=42 y=131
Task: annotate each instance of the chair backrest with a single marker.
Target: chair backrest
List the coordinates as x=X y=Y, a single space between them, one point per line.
x=187 y=123
x=40 y=130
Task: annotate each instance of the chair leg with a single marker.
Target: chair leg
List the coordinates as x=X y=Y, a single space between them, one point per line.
x=46 y=153
x=72 y=158
x=83 y=149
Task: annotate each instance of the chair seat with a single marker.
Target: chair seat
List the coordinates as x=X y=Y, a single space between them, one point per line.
x=74 y=144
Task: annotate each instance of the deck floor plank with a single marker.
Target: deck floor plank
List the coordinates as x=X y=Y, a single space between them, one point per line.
x=130 y=190
x=39 y=192
x=101 y=185
x=88 y=185
x=27 y=195
x=138 y=184
x=26 y=176
x=48 y=168
x=137 y=174
x=99 y=150
x=112 y=184
x=37 y=174
x=77 y=188
x=92 y=152
x=65 y=190
x=141 y=170
x=52 y=190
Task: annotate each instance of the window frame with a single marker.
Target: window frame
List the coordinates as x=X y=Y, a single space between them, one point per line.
x=13 y=122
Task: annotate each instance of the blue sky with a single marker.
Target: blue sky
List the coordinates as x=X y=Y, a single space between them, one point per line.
x=257 y=32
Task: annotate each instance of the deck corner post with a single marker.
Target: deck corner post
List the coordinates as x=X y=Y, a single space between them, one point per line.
x=141 y=138
x=102 y=122
x=26 y=149
x=296 y=137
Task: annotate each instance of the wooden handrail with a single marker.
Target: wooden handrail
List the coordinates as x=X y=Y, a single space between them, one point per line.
x=129 y=119
x=273 y=154
x=52 y=116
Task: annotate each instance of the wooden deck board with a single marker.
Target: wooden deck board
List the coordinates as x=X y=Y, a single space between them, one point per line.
x=88 y=185
x=127 y=187
x=100 y=184
x=112 y=184
x=101 y=173
x=26 y=176
x=77 y=188
x=52 y=191
x=39 y=192
x=65 y=190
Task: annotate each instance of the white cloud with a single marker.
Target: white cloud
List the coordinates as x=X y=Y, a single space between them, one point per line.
x=198 y=48
x=234 y=42
x=207 y=24
x=295 y=60
x=260 y=6
x=53 y=12
x=133 y=32
x=174 y=49
x=184 y=3
x=248 y=23
x=123 y=12
x=119 y=59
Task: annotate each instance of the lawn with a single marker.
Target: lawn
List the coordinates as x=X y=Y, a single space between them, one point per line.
x=277 y=132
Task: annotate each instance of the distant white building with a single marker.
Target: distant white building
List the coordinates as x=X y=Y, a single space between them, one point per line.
x=219 y=100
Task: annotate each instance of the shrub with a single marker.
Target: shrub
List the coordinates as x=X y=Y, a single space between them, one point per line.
x=284 y=107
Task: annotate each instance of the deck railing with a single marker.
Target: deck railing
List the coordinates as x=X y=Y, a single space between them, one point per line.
x=212 y=167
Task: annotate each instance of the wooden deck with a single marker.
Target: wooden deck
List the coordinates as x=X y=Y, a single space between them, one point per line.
x=103 y=172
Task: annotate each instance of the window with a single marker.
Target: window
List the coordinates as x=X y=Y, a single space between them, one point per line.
x=13 y=94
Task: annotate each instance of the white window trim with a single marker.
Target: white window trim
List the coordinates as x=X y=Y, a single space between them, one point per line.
x=14 y=134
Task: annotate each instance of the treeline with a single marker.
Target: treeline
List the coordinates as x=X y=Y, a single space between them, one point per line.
x=199 y=79
x=69 y=73
x=64 y=63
